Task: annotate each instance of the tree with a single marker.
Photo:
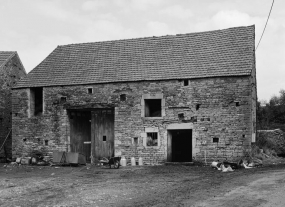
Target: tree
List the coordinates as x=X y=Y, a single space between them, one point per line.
x=272 y=115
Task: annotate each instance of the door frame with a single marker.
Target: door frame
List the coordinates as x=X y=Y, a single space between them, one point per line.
x=172 y=127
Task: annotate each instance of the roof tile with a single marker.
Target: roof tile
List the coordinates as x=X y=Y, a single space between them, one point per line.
x=228 y=52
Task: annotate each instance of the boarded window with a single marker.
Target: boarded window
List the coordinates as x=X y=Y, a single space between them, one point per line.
x=36 y=101
x=152 y=107
x=152 y=139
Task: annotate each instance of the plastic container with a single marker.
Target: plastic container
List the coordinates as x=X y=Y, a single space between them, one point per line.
x=133 y=161
x=140 y=161
x=123 y=162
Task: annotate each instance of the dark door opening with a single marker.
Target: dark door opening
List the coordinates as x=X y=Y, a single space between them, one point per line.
x=180 y=145
x=80 y=132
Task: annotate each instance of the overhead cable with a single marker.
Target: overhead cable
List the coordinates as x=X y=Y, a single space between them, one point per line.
x=265 y=25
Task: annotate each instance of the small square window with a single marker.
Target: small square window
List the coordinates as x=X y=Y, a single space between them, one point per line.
x=215 y=140
x=90 y=90
x=62 y=99
x=104 y=138
x=237 y=104
x=46 y=142
x=123 y=97
x=152 y=107
x=186 y=82
x=151 y=139
x=181 y=115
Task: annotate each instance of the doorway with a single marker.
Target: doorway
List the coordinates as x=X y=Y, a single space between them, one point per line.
x=102 y=133
x=180 y=145
x=92 y=132
x=80 y=132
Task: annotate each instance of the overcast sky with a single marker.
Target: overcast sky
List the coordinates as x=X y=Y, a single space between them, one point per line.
x=34 y=28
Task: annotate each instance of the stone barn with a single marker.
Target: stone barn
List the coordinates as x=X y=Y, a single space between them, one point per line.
x=11 y=70
x=174 y=98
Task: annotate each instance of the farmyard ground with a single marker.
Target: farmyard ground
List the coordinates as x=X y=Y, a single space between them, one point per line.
x=141 y=186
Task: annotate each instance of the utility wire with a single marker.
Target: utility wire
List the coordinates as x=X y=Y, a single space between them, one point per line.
x=265 y=25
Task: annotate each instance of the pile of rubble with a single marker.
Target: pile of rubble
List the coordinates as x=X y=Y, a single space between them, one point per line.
x=40 y=161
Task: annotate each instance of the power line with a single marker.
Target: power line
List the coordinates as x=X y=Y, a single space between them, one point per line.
x=265 y=25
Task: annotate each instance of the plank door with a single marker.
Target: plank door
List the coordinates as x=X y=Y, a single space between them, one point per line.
x=102 y=132
x=80 y=132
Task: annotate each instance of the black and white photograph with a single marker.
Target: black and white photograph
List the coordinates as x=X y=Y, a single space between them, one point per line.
x=148 y=103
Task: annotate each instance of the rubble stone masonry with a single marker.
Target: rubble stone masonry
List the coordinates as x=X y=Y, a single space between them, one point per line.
x=10 y=73
x=218 y=107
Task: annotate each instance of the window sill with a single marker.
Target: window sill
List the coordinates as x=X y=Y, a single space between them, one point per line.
x=153 y=118
x=152 y=147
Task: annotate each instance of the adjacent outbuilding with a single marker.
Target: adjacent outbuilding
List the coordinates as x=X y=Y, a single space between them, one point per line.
x=11 y=71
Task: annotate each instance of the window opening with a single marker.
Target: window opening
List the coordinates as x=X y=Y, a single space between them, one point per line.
x=36 y=101
x=197 y=107
x=186 y=82
x=237 y=104
x=90 y=90
x=152 y=139
x=123 y=97
x=215 y=139
x=46 y=142
x=152 y=107
x=104 y=138
x=181 y=115
x=62 y=99
x=136 y=141
x=24 y=139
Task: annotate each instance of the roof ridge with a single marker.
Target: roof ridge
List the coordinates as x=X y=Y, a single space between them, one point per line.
x=12 y=54
x=150 y=37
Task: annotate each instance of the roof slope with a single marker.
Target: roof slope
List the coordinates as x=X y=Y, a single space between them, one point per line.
x=228 y=52
x=5 y=56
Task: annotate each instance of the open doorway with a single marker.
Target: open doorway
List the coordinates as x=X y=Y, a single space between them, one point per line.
x=180 y=145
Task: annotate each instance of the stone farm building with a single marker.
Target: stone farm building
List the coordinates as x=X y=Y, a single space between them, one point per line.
x=11 y=70
x=170 y=98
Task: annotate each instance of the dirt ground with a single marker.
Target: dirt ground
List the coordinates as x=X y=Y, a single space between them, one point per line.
x=141 y=186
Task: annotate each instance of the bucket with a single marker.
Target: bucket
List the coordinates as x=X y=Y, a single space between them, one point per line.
x=133 y=161
x=123 y=162
x=140 y=161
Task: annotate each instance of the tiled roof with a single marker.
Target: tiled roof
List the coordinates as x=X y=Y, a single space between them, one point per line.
x=5 y=56
x=228 y=52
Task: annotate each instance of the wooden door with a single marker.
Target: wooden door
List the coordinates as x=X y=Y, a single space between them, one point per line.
x=102 y=132
x=80 y=132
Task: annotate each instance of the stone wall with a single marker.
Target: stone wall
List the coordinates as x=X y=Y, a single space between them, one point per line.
x=213 y=108
x=271 y=139
x=10 y=73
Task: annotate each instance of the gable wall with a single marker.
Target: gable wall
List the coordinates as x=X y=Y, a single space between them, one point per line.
x=10 y=73
x=218 y=116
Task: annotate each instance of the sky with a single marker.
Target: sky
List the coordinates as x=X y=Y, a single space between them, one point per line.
x=34 y=28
